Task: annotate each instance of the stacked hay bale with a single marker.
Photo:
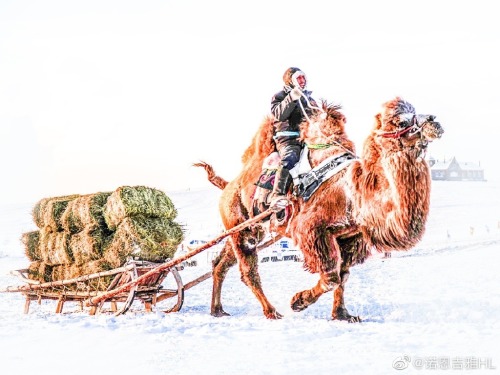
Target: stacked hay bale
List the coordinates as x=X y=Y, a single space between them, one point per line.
x=142 y=221
x=84 y=234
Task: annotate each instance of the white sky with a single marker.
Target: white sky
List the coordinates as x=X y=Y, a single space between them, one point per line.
x=99 y=94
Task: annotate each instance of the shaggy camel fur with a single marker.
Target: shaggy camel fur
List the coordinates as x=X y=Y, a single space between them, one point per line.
x=380 y=202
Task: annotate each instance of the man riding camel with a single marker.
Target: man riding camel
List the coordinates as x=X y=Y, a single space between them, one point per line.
x=288 y=107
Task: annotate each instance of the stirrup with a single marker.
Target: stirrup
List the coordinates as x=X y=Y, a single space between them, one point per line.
x=279 y=203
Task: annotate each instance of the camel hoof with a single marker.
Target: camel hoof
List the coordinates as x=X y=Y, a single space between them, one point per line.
x=354 y=319
x=345 y=316
x=274 y=315
x=219 y=313
x=298 y=303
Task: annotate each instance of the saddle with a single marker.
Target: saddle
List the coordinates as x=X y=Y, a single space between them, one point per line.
x=306 y=180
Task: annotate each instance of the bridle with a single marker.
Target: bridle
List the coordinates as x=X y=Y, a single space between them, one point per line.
x=413 y=128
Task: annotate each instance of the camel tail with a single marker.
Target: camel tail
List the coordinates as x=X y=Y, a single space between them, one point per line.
x=212 y=177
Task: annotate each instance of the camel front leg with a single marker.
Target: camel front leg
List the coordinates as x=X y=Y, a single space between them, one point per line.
x=327 y=282
x=339 y=311
x=221 y=266
x=353 y=250
x=321 y=254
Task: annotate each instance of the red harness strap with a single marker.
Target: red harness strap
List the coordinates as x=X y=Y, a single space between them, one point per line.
x=397 y=134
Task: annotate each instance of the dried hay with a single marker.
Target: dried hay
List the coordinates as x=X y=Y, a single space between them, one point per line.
x=85 y=212
x=129 y=201
x=47 y=212
x=40 y=271
x=84 y=234
x=88 y=245
x=71 y=271
x=54 y=247
x=43 y=272
x=31 y=242
x=151 y=239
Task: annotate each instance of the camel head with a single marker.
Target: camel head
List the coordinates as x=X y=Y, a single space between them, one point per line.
x=399 y=124
x=431 y=129
x=325 y=127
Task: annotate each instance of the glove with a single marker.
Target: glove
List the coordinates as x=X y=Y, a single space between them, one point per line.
x=296 y=93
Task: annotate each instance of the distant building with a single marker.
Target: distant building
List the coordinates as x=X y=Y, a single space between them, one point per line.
x=452 y=170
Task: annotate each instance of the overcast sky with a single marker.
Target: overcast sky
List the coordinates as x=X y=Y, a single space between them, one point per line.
x=99 y=94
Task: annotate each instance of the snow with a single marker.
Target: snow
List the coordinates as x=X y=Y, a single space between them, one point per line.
x=433 y=309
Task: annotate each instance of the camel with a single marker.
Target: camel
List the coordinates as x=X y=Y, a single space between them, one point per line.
x=379 y=202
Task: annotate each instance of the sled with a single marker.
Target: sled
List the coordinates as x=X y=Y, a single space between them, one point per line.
x=158 y=286
x=163 y=291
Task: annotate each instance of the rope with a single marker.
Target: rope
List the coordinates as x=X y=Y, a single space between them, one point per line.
x=320 y=146
x=323 y=146
x=310 y=106
x=95 y=301
x=309 y=103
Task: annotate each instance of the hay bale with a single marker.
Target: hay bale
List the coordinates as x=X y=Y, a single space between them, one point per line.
x=71 y=271
x=40 y=271
x=88 y=245
x=45 y=273
x=85 y=212
x=31 y=242
x=144 y=238
x=80 y=235
x=100 y=265
x=54 y=247
x=129 y=201
x=47 y=212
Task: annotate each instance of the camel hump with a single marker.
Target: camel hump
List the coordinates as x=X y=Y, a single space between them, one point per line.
x=262 y=143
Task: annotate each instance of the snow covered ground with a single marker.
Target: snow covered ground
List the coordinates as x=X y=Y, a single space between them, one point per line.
x=434 y=309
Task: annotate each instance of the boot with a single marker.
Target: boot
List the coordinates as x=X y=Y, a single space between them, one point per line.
x=282 y=181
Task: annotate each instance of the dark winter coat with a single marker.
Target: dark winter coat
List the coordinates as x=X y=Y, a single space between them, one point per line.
x=288 y=116
x=287 y=113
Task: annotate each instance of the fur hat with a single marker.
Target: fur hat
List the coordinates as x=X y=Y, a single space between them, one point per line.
x=289 y=74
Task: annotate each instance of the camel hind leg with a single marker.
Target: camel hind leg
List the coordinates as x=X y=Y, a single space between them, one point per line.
x=221 y=265
x=245 y=245
x=242 y=247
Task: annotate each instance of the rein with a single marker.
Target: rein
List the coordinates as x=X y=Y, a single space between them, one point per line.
x=323 y=113
x=324 y=146
x=320 y=146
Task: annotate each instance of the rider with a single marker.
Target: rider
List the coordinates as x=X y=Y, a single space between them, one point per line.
x=287 y=107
